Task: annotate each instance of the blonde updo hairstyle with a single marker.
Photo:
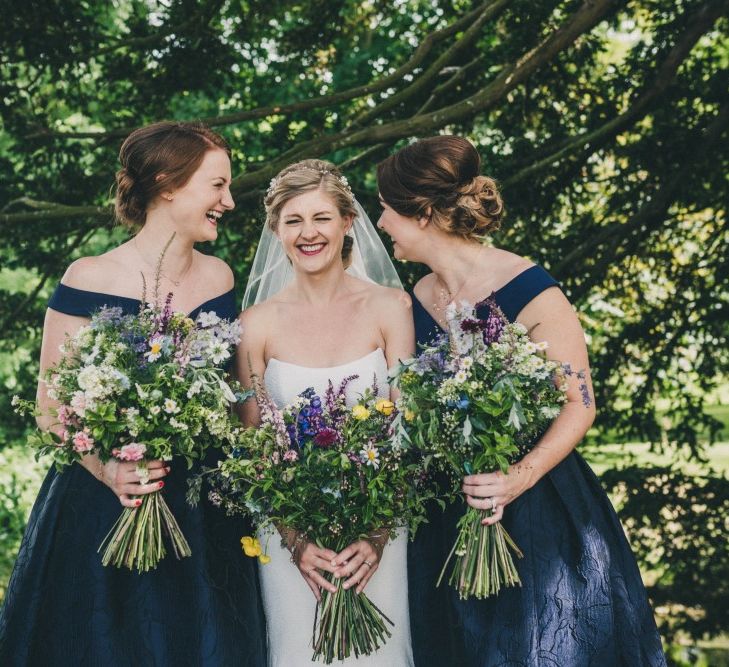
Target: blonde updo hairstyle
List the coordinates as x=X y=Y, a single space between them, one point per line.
x=158 y=158
x=305 y=176
x=440 y=178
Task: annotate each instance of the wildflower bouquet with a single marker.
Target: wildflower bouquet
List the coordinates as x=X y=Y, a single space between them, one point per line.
x=332 y=475
x=476 y=400
x=135 y=388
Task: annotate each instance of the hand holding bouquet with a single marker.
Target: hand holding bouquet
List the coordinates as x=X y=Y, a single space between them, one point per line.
x=331 y=475
x=137 y=388
x=478 y=398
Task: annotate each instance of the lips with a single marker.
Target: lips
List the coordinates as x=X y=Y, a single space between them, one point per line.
x=310 y=249
x=213 y=216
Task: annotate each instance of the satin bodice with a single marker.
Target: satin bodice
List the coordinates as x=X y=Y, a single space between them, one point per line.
x=285 y=381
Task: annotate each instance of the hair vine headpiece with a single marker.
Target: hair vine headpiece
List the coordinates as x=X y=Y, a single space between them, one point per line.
x=342 y=179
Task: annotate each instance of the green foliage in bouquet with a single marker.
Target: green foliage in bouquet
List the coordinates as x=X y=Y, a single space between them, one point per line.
x=475 y=401
x=332 y=475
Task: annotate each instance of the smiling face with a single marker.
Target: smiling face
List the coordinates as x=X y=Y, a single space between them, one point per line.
x=196 y=207
x=406 y=232
x=312 y=230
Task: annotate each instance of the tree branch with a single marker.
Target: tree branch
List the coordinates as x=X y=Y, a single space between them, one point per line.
x=700 y=23
x=304 y=105
x=248 y=185
x=509 y=78
x=621 y=239
x=59 y=212
x=486 y=12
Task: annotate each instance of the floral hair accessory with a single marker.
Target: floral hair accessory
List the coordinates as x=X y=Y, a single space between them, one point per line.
x=342 y=179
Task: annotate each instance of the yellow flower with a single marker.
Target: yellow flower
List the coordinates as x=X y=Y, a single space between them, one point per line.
x=264 y=558
x=251 y=547
x=155 y=348
x=409 y=415
x=360 y=412
x=385 y=407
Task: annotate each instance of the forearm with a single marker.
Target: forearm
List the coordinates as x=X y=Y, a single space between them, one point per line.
x=555 y=445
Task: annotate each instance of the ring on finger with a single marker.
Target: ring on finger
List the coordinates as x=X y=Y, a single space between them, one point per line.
x=368 y=564
x=493 y=504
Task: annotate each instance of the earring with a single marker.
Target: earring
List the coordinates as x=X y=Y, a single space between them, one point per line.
x=169 y=197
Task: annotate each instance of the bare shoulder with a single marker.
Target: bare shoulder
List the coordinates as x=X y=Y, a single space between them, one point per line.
x=507 y=265
x=92 y=273
x=215 y=272
x=393 y=298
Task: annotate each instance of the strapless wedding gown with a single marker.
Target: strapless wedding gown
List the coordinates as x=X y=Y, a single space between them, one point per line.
x=288 y=601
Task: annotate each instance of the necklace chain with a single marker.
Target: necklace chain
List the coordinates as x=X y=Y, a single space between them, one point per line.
x=180 y=278
x=445 y=294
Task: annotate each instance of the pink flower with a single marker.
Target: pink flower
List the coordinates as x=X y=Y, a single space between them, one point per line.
x=134 y=451
x=291 y=456
x=64 y=414
x=82 y=442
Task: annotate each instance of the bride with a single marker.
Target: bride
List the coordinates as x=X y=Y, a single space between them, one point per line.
x=314 y=312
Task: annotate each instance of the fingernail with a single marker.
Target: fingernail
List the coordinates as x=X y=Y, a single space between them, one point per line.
x=345 y=586
x=167 y=469
x=138 y=502
x=161 y=484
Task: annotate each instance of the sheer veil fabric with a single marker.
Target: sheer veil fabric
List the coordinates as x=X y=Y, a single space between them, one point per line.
x=271 y=270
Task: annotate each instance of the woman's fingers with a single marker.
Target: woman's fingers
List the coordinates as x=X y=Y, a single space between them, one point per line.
x=345 y=554
x=350 y=567
x=128 y=501
x=322 y=563
x=158 y=473
x=320 y=581
x=129 y=475
x=366 y=578
x=141 y=489
x=496 y=515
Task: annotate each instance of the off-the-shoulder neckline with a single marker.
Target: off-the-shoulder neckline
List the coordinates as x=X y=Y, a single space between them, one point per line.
x=495 y=292
x=129 y=299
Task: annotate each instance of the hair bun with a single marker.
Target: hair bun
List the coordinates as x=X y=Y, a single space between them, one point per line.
x=479 y=205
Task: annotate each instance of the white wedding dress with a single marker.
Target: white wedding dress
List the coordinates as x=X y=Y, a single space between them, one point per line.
x=288 y=601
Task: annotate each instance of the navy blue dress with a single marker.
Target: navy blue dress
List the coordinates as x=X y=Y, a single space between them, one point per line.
x=582 y=601
x=63 y=607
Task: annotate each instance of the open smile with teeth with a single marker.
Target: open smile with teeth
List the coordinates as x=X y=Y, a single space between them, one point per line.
x=213 y=216
x=311 y=248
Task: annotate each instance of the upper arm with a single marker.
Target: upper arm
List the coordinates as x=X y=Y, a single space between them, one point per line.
x=398 y=328
x=250 y=358
x=56 y=327
x=551 y=318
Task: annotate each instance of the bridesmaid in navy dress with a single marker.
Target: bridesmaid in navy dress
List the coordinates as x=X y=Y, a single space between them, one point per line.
x=582 y=601
x=62 y=606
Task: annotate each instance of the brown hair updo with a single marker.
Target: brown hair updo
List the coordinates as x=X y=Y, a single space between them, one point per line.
x=442 y=174
x=158 y=157
x=305 y=176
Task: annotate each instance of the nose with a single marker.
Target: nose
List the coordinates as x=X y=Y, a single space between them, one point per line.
x=308 y=229
x=379 y=224
x=226 y=200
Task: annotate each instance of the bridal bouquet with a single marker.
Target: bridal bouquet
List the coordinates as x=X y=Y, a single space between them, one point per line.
x=478 y=398
x=331 y=474
x=135 y=388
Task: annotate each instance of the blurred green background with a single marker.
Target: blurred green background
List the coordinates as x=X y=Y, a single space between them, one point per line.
x=605 y=123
